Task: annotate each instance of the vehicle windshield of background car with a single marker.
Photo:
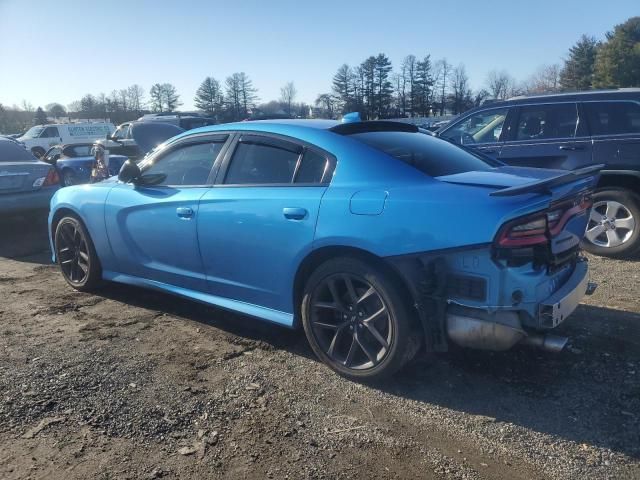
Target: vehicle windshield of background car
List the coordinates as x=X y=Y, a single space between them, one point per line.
x=432 y=156
x=33 y=132
x=481 y=127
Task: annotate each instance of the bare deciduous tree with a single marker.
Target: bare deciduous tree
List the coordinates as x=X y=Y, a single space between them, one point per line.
x=288 y=95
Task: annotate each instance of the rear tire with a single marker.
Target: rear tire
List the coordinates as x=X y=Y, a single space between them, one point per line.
x=356 y=319
x=614 y=226
x=76 y=255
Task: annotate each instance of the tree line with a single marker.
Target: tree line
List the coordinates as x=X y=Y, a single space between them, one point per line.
x=419 y=87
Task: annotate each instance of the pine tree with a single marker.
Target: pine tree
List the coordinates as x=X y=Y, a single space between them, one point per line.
x=618 y=59
x=170 y=97
x=209 y=97
x=383 y=87
x=40 y=117
x=421 y=102
x=156 y=97
x=577 y=73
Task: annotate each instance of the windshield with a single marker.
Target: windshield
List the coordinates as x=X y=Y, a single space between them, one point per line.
x=430 y=155
x=33 y=132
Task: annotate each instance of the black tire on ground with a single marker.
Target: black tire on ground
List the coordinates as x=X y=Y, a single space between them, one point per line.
x=331 y=317
x=68 y=178
x=76 y=255
x=629 y=208
x=38 y=152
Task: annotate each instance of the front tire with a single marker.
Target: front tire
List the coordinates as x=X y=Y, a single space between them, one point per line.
x=38 y=152
x=614 y=225
x=356 y=319
x=76 y=255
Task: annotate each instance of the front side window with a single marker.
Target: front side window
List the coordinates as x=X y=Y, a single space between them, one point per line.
x=52 y=154
x=481 y=127
x=50 y=132
x=188 y=165
x=613 y=118
x=430 y=155
x=121 y=132
x=262 y=162
x=537 y=122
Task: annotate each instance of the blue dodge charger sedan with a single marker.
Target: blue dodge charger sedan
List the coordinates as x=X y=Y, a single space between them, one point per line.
x=374 y=237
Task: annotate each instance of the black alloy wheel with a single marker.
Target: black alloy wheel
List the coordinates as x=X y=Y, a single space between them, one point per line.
x=76 y=255
x=356 y=320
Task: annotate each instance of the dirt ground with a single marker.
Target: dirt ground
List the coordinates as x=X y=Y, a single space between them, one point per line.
x=128 y=383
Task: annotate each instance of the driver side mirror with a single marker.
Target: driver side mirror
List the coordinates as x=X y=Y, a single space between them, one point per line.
x=129 y=172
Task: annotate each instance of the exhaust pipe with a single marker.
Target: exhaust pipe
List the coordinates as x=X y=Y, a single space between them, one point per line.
x=550 y=343
x=498 y=332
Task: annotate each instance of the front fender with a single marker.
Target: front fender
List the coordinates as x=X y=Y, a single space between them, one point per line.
x=87 y=203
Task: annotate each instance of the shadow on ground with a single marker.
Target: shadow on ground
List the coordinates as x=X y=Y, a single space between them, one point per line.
x=589 y=393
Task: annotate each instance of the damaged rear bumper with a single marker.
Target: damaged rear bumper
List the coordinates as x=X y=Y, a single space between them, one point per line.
x=502 y=329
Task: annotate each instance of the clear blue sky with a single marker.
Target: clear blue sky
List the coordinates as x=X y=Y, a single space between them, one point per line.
x=59 y=50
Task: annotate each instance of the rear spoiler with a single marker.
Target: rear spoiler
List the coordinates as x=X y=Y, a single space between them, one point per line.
x=544 y=186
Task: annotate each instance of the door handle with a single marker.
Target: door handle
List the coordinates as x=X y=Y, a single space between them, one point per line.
x=294 y=213
x=184 y=212
x=570 y=147
x=488 y=150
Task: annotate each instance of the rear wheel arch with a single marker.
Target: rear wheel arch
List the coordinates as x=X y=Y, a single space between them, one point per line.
x=616 y=180
x=317 y=257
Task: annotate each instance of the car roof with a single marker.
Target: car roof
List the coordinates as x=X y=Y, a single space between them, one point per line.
x=587 y=95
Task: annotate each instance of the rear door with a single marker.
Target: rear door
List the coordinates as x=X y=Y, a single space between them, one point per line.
x=152 y=228
x=481 y=130
x=548 y=136
x=258 y=221
x=615 y=130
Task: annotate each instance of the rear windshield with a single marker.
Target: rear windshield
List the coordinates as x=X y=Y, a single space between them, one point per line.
x=432 y=156
x=12 y=152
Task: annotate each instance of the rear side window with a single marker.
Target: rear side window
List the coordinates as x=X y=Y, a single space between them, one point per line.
x=260 y=162
x=313 y=169
x=50 y=132
x=547 y=121
x=12 y=152
x=432 y=156
x=613 y=118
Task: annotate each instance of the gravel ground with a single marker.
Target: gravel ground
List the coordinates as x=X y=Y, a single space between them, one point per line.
x=128 y=383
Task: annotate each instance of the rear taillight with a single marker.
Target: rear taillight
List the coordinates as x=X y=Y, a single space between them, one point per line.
x=537 y=228
x=524 y=232
x=51 y=179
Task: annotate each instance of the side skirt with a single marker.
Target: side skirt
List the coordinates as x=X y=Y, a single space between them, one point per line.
x=263 y=313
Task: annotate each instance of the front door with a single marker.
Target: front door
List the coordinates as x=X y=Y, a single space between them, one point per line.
x=482 y=131
x=548 y=136
x=259 y=220
x=152 y=228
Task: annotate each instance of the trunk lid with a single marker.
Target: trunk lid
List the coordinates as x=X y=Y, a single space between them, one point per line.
x=567 y=212
x=23 y=176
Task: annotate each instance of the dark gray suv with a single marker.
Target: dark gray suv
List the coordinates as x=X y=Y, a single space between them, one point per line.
x=569 y=131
